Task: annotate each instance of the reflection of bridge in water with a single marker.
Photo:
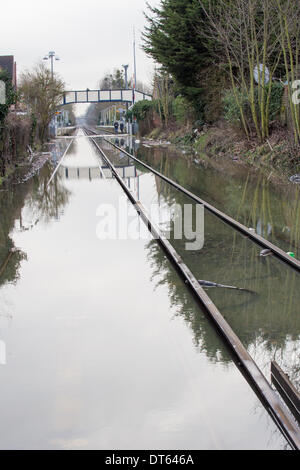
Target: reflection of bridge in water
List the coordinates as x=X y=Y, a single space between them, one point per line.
x=128 y=173
x=99 y=172
x=83 y=163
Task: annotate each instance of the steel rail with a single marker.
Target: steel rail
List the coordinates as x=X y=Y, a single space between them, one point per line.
x=111 y=134
x=275 y=407
x=60 y=162
x=276 y=251
x=97 y=136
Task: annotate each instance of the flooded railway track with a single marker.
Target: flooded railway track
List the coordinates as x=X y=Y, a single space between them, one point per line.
x=248 y=232
x=256 y=379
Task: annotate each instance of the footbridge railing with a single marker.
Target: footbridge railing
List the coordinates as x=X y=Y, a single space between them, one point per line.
x=104 y=96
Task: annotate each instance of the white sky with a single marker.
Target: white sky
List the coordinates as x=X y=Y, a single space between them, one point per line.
x=90 y=36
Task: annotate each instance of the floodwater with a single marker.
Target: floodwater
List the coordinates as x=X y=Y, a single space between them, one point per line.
x=268 y=322
x=270 y=207
x=101 y=344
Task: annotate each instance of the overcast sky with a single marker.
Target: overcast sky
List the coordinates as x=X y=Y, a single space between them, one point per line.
x=90 y=36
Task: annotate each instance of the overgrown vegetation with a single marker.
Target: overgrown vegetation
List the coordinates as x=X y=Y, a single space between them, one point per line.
x=232 y=103
x=26 y=115
x=141 y=110
x=255 y=40
x=5 y=140
x=171 y=40
x=10 y=95
x=236 y=60
x=42 y=94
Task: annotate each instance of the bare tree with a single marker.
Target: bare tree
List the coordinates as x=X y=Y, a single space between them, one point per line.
x=164 y=92
x=288 y=12
x=248 y=36
x=42 y=93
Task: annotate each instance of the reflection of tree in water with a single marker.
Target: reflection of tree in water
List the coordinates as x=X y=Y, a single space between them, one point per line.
x=247 y=196
x=10 y=263
x=205 y=337
x=41 y=201
x=11 y=204
x=47 y=202
x=268 y=323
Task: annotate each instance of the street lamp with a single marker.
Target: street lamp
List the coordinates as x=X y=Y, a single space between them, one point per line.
x=125 y=67
x=51 y=55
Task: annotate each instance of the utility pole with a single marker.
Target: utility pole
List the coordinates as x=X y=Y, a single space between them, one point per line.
x=134 y=57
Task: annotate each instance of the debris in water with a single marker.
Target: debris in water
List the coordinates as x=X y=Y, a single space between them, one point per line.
x=221 y=286
x=35 y=167
x=295 y=179
x=265 y=253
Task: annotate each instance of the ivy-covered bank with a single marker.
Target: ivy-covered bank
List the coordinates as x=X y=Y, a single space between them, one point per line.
x=227 y=78
x=224 y=137
x=26 y=116
x=17 y=132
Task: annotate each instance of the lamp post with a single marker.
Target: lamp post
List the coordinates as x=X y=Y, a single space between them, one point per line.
x=125 y=67
x=51 y=55
x=134 y=58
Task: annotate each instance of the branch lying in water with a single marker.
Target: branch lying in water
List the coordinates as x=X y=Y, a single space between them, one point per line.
x=213 y=284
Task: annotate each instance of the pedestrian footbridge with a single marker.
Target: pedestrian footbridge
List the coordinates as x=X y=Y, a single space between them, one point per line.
x=104 y=96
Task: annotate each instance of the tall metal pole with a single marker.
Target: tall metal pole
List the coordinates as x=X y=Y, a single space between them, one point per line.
x=126 y=81
x=51 y=55
x=134 y=56
x=52 y=67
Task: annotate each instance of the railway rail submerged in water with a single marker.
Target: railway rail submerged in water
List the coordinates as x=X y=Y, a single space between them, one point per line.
x=154 y=374
x=256 y=379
